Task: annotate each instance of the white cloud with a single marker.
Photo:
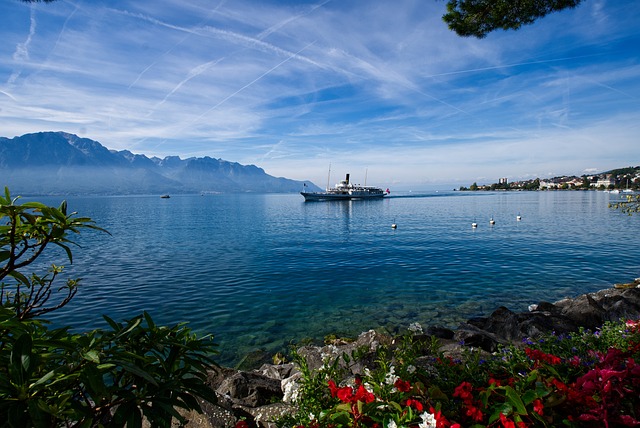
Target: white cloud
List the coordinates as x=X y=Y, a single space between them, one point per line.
x=291 y=88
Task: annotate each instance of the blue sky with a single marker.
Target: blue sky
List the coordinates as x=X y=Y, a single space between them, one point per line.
x=376 y=88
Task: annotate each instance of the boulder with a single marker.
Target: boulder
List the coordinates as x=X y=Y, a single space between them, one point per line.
x=250 y=389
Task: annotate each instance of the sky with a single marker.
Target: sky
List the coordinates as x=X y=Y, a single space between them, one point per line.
x=312 y=90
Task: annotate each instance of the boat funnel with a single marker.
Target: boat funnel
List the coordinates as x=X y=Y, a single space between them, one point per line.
x=347 y=179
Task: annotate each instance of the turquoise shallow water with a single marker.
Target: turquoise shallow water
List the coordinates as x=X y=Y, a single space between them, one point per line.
x=260 y=271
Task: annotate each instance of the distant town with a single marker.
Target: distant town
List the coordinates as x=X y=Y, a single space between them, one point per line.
x=622 y=179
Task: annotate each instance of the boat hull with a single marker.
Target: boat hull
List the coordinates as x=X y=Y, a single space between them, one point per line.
x=320 y=196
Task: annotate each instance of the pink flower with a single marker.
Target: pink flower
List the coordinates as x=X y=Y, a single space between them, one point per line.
x=633 y=325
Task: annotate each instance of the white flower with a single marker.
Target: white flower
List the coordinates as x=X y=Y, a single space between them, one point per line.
x=411 y=369
x=415 y=327
x=392 y=424
x=428 y=420
x=391 y=377
x=291 y=390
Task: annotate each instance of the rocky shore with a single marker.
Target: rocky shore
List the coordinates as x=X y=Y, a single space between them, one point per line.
x=261 y=395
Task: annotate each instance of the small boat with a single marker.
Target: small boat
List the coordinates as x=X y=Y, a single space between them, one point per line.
x=345 y=191
x=165 y=196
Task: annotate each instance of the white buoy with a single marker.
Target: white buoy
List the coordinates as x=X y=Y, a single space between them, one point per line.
x=474 y=225
x=518 y=218
x=492 y=221
x=394 y=226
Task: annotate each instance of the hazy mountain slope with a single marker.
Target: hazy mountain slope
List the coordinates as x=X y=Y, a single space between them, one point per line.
x=62 y=163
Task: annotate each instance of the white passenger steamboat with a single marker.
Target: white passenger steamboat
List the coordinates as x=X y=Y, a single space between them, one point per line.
x=345 y=190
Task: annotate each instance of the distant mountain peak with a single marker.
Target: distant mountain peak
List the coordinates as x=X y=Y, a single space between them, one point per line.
x=63 y=163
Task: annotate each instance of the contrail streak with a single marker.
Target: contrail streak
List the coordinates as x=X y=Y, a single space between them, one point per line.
x=193 y=73
x=278 y=26
x=497 y=67
x=252 y=82
x=8 y=94
x=22 y=49
x=157 y=22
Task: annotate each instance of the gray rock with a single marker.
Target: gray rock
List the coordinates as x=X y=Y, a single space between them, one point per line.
x=266 y=416
x=250 y=389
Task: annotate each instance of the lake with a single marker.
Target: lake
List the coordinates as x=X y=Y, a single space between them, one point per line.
x=262 y=271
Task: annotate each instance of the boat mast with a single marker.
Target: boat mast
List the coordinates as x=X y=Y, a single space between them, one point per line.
x=329 y=176
x=365 y=175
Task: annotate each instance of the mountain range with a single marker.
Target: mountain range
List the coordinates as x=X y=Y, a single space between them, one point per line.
x=58 y=163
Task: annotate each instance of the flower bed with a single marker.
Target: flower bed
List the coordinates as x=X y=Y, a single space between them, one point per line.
x=585 y=379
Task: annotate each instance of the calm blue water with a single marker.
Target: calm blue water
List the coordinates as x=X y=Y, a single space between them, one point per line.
x=259 y=271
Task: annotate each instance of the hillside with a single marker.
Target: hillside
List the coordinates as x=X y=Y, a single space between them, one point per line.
x=60 y=163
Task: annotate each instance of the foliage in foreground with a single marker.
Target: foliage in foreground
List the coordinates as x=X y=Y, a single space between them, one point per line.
x=113 y=377
x=584 y=380
x=105 y=377
x=480 y=17
x=630 y=206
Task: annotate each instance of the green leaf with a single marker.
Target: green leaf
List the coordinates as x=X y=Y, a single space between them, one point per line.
x=515 y=400
x=92 y=355
x=437 y=394
x=396 y=406
x=21 y=359
x=137 y=371
x=20 y=277
x=135 y=419
x=44 y=379
x=105 y=366
x=114 y=325
x=503 y=408
x=149 y=320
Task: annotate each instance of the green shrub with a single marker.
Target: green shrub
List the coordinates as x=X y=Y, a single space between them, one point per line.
x=51 y=377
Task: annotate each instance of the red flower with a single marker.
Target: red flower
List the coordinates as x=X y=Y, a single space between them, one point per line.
x=415 y=404
x=402 y=385
x=538 y=407
x=363 y=395
x=506 y=422
x=463 y=391
x=538 y=356
x=333 y=388
x=495 y=382
x=441 y=421
x=474 y=413
x=242 y=424
x=345 y=394
x=559 y=385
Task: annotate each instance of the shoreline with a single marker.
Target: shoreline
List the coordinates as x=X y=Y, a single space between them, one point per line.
x=265 y=393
